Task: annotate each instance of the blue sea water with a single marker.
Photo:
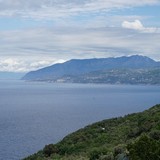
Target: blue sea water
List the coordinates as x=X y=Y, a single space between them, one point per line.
x=34 y=114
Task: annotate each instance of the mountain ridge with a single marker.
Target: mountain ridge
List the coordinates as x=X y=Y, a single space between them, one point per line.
x=77 y=67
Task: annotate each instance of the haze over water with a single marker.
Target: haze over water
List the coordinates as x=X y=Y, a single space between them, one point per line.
x=35 y=114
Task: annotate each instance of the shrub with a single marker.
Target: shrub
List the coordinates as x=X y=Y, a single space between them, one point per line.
x=96 y=153
x=145 y=148
x=155 y=134
x=50 y=149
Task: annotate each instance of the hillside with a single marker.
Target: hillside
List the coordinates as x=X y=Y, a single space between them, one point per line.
x=76 y=68
x=135 y=137
x=116 y=76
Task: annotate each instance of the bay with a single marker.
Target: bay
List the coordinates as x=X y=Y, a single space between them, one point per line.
x=33 y=114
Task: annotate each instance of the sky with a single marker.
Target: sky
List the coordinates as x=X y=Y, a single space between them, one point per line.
x=39 y=33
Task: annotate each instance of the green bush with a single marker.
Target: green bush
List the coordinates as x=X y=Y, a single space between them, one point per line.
x=96 y=153
x=50 y=149
x=109 y=156
x=145 y=148
x=155 y=134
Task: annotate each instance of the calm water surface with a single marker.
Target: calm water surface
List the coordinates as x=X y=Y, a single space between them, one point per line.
x=34 y=114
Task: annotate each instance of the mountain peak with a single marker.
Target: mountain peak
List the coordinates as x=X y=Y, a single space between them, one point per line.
x=141 y=57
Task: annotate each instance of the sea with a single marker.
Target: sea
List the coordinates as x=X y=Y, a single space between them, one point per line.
x=34 y=114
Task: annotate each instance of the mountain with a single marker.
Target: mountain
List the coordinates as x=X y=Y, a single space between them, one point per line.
x=135 y=136
x=78 y=67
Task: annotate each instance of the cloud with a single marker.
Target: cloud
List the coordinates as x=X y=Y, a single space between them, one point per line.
x=19 y=65
x=43 y=9
x=137 y=25
x=77 y=30
x=30 y=49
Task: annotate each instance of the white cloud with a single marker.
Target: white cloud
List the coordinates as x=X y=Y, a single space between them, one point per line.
x=137 y=25
x=35 y=48
x=40 y=9
x=19 y=65
x=82 y=36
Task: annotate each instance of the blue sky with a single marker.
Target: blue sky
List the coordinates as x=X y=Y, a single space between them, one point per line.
x=39 y=33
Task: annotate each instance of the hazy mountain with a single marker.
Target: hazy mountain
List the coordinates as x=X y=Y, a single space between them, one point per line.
x=11 y=75
x=77 y=67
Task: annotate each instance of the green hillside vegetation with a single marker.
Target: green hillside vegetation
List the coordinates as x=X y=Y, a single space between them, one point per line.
x=132 y=137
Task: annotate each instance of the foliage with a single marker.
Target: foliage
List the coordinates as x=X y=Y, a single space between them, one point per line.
x=145 y=148
x=109 y=139
x=50 y=149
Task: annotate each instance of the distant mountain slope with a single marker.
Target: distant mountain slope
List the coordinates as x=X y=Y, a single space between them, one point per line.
x=11 y=75
x=116 y=76
x=112 y=139
x=78 y=67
